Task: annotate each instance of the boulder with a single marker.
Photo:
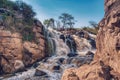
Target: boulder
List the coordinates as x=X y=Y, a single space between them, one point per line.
x=40 y=73
x=72 y=54
x=19 y=65
x=56 y=67
x=61 y=60
x=89 y=53
x=82 y=44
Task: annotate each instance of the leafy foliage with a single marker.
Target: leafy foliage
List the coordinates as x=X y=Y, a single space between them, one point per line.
x=67 y=20
x=49 y=23
x=28 y=35
x=18 y=16
x=93 y=29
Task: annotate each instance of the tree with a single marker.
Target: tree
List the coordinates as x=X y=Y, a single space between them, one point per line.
x=93 y=29
x=93 y=24
x=52 y=22
x=58 y=25
x=49 y=23
x=67 y=20
x=26 y=10
x=46 y=23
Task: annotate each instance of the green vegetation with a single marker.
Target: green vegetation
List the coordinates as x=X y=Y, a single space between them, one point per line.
x=28 y=34
x=17 y=16
x=93 y=29
x=67 y=20
x=49 y=23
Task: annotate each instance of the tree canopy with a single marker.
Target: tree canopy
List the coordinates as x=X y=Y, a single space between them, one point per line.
x=67 y=20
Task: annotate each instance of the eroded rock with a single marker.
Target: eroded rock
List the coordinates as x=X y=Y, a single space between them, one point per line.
x=16 y=54
x=105 y=65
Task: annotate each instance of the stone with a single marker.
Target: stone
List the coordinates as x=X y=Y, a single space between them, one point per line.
x=93 y=43
x=89 y=53
x=18 y=65
x=56 y=67
x=72 y=54
x=40 y=73
x=35 y=65
x=82 y=44
x=62 y=37
x=61 y=60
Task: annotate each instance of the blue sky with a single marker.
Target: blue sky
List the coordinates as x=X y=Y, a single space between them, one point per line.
x=83 y=10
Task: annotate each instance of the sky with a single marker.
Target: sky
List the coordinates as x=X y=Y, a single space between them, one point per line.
x=82 y=10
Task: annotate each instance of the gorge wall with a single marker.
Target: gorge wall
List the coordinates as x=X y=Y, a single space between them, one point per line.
x=105 y=65
x=16 y=54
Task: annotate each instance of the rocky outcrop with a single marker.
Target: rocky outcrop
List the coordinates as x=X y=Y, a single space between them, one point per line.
x=105 y=65
x=16 y=54
x=82 y=44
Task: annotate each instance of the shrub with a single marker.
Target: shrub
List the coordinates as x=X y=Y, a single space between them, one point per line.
x=28 y=34
x=91 y=30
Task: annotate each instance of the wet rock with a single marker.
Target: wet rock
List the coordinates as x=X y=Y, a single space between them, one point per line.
x=56 y=67
x=62 y=37
x=68 y=60
x=61 y=60
x=72 y=54
x=19 y=65
x=35 y=65
x=90 y=53
x=43 y=66
x=40 y=73
x=82 y=44
x=71 y=43
x=93 y=43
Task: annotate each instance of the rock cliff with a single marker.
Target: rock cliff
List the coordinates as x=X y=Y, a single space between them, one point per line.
x=16 y=54
x=105 y=65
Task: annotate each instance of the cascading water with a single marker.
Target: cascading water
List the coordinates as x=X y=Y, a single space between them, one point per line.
x=59 y=46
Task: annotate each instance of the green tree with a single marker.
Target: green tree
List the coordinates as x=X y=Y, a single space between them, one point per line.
x=58 y=25
x=71 y=22
x=94 y=24
x=46 y=23
x=67 y=19
x=52 y=22
x=26 y=10
x=93 y=29
x=49 y=23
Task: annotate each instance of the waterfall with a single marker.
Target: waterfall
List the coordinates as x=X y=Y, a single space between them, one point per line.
x=56 y=45
x=64 y=52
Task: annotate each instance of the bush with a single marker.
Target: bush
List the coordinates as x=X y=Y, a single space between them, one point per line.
x=10 y=12
x=91 y=30
x=28 y=34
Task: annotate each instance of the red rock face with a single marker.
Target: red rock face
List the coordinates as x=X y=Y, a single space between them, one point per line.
x=108 y=39
x=107 y=58
x=15 y=53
